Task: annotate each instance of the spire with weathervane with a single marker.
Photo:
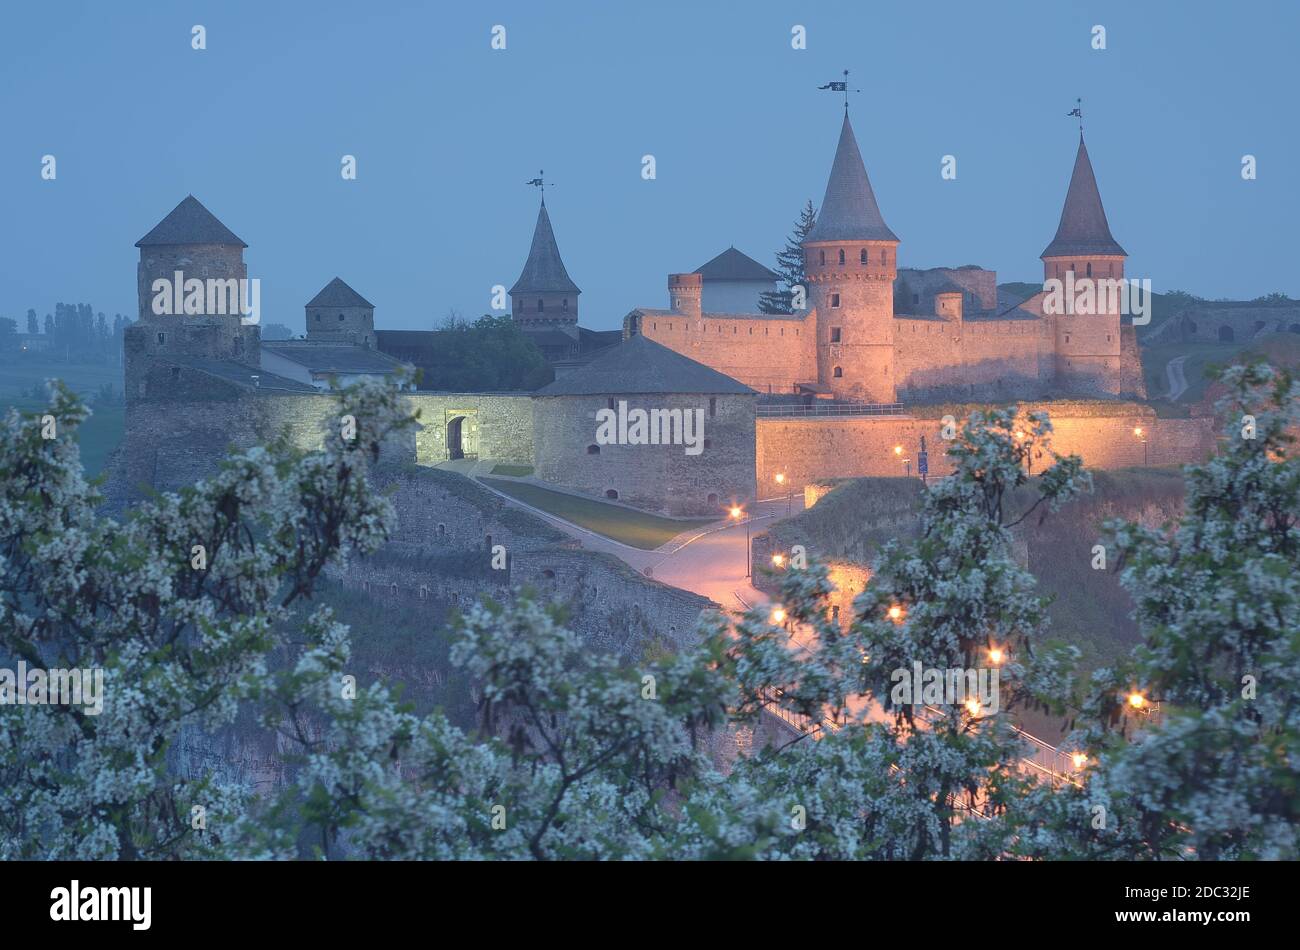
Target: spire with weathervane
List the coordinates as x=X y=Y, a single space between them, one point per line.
x=1083 y=241
x=544 y=296
x=850 y=262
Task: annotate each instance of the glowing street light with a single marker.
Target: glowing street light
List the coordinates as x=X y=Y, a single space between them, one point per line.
x=995 y=656
x=1078 y=760
x=896 y=613
x=1138 y=433
x=780 y=480
x=972 y=706
x=1136 y=700
x=898 y=450
x=778 y=560
x=736 y=514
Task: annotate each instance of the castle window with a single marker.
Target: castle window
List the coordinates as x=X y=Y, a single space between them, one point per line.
x=340 y=318
x=1067 y=338
x=611 y=494
x=176 y=370
x=837 y=372
x=708 y=443
x=862 y=256
x=713 y=405
x=712 y=500
x=564 y=304
x=822 y=256
x=882 y=255
x=611 y=402
x=593 y=450
x=1089 y=268
x=751 y=331
x=442 y=530
x=548 y=574
x=318 y=318
x=916 y=298
x=162 y=337
x=841 y=255
x=1074 y=266
x=835 y=334
x=424 y=591
x=541 y=307
x=835 y=300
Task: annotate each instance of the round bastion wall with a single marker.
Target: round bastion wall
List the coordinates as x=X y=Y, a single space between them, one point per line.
x=701 y=472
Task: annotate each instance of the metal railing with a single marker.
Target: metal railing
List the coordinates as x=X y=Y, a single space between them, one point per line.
x=832 y=409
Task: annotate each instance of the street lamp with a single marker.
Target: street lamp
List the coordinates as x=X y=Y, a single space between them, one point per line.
x=1137 y=431
x=896 y=613
x=778 y=616
x=780 y=480
x=995 y=656
x=778 y=560
x=736 y=514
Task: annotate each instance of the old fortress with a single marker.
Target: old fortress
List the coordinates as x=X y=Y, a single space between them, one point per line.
x=846 y=386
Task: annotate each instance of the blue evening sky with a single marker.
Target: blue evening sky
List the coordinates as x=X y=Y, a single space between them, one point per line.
x=446 y=131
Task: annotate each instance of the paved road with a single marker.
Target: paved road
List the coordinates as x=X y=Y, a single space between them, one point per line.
x=1177 y=380
x=709 y=561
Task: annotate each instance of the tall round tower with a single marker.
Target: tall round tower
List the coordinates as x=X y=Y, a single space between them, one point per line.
x=851 y=260
x=188 y=282
x=1089 y=263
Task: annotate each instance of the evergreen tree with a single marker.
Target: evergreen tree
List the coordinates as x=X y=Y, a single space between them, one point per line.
x=789 y=266
x=49 y=327
x=33 y=325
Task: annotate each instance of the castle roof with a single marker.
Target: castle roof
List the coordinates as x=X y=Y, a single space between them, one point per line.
x=849 y=211
x=247 y=377
x=731 y=264
x=190 y=223
x=642 y=366
x=338 y=294
x=1083 y=229
x=333 y=358
x=544 y=271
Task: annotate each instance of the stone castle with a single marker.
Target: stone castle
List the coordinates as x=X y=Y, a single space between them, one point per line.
x=847 y=387
x=876 y=333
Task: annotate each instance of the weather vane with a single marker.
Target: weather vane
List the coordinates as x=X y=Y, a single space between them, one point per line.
x=538 y=183
x=1077 y=111
x=841 y=87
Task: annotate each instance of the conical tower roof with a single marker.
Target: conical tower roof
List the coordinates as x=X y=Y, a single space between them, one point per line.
x=1083 y=229
x=338 y=294
x=849 y=211
x=544 y=271
x=190 y=223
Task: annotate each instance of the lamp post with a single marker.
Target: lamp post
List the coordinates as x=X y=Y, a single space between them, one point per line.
x=1137 y=431
x=736 y=514
x=780 y=480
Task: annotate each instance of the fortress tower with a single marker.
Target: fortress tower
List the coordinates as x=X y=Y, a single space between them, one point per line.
x=188 y=244
x=1087 y=345
x=851 y=259
x=544 y=298
x=338 y=314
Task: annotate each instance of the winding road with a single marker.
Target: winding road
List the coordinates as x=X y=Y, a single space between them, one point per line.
x=1177 y=379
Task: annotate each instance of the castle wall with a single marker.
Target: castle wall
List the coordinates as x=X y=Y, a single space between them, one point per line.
x=808 y=450
x=504 y=425
x=769 y=354
x=971 y=359
x=917 y=288
x=656 y=477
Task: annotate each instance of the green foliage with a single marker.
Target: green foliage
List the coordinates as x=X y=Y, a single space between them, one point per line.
x=789 y=266
x=489 y=355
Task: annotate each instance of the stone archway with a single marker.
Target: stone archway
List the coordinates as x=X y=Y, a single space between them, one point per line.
x=1225 y=334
